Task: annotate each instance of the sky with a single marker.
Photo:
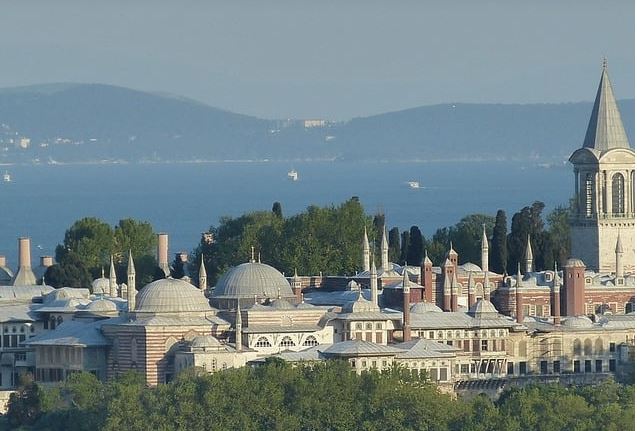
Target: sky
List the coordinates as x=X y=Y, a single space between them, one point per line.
x=325 y=59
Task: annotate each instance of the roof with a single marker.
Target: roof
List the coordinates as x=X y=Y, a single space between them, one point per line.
x=605 y=128
x=159 y=320
x=458 y=320
x=24 y=277
x=310 y=354
x=23 y=293
x=17 y=313
x=73 y=333
x=250 y=279
x=170 y=295
x=338 y=298
x=258 y=328
x=360 y=348
x=423 y=348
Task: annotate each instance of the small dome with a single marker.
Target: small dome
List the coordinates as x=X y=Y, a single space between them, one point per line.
x=471 y=267
x=202 y=341
x=359 y=305
x=577 y=322
x=250 y=279
x=483 y=308
x=424 y=307
x=101 y=305
x=100 y=286
x=575 y=263
x=281 y=304
x=170 y=295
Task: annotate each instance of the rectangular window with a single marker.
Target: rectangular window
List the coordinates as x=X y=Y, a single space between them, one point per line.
x=611 y=348
x=473 y=367
x=484 y=345
x=363 y=364
x=379 y=338
x=443 y=374
x=449 y=343
x=464 y=368
x=576 y=367
x=509 y=368
x=368 y=336
x=431 y=335
x=544 y=367
x=476 y=345
x=433 y=374
x=522 y=368
x=598 y=365
x=374 y=364
x=611 y=365
x=556 y=367
x=587 y=366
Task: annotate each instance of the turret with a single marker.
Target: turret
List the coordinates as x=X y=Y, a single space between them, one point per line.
x=238 y=326
x=373 y=284
x=130 y=275
x=455 y=290
x=519 y=306
x=384 y=249
x=555 y=297
x=446 y=288
x=365 y=251
x=203 y=276
x=452 y=255
x=485 y=249
x=406 y=307
x=297 y=286
x=426 y=277
x=112 y=280
x=471 y=291
x=528 y=256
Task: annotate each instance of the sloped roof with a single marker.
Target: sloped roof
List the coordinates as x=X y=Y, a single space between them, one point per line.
x=360 y=348
x=423 y=348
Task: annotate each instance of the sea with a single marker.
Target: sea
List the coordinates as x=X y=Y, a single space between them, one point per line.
x=186 y=199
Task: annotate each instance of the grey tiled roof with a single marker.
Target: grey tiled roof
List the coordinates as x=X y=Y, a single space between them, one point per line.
x=72 y=333
x=422 y=348
x=360 y=348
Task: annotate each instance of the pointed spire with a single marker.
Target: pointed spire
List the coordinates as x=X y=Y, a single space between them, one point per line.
x=426 y=260
x=619 y=261
x=605 y=128
x=43 y=281
x=238 y=325
x=485 y=249
x=619 y=248
x=112 y=279
x=406 y=283
x=203 y=275
x=528 y=256
x=556 y=277
x=451 y=250
x=518 y=278
x=131 y=265
x=373 y=284
x=202 y=267
x=485 y=241
x=384 y=251
x=365 y=250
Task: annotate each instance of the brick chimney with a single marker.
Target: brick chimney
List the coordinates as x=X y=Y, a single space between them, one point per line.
x=426 y=278
x=574 y=287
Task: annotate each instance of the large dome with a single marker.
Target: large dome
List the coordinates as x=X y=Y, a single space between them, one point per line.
x=170 y=295
x=250 y=279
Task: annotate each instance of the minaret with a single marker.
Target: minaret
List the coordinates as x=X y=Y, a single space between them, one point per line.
x=384 y=249
x=365 y=251
x=555 y=297
x=528 y=256
x=130 y=273
x=238 y=326
x=471 y=289
x=406 y=310
x=203 y=276
x=426 y=277
x=519 y=306
x=486 y=292
x=446 y=288
x=373 y=284
x=619 y=262
x=112 y=279
x=485 y=249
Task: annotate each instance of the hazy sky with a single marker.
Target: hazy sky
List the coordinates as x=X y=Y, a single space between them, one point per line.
x=332 y=59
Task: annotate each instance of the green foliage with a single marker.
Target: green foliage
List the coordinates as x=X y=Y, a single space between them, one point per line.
x=317 y=240
x=498 y=254
x=394 y=244
x=416 y=247
x=557 y=243
x=404 y=246
x=528 y=221
x=323 y=396
x=89 y=244
x=466 y=236
x=277 y=210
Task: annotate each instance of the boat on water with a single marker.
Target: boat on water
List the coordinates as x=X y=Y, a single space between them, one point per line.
x=6 y=177
x=414 y=184
x=293 y=175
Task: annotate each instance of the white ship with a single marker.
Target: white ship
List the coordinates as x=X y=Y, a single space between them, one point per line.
x=6 y=177
x=293 y=175
x=413 y=184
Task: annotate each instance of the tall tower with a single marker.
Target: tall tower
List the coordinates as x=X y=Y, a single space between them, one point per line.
x=485 y=249
x=373 y=284
x=406 y=309
x=203 y=276
x=112 y=279
x=528 y=256
x=384 y=250
x=365 y=251
x=130 y=274
x=604 y=187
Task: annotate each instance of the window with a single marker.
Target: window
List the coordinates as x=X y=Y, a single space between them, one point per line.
x=544 y=367
x=466 y=346
x=359 y=326
x=369 y=326
x=587 y=366
x=556 y=367
x=384 y=364
x=611 y=365
x=611 y=347
x=449 y=343
x=618 y=193
x=522 y=368
x=598 y=366
x=464 y=368
x=443 y=374
x=484 y=346
x=588 y=347
x=577 y=347
x=588 y=198
x=287 y=342
x=431 y=334
x=263 y=342
x=379 y=326
x=310 y=341
x=509 y=368
x=379 y=338
x=363 y=363
x=576 y=366
x=374 y=364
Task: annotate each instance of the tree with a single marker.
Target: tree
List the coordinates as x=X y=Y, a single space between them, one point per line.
x=178 y=269
x=394 y=244
x=404 y=246
x=416 y=247
x=91 y=240
x=528 y=221
x=24 y=407
x=498 y=249
x=557 y=242
x=277 y=210
x=70 y=271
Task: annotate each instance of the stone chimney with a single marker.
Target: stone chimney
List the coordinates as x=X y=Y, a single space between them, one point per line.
x=555 y=298
x=3 y=261
x=519 y=305
x=45 y=261
x=574 y=286
x=426 y=277
x=162 y=253
x=24 y=251
x=406 y=307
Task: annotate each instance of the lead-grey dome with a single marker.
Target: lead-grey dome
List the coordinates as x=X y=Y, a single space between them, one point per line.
x=425 y=307
x=250 y=279
x=102 y=305
x=100 y=286
x=170 y=295
x=577 y=322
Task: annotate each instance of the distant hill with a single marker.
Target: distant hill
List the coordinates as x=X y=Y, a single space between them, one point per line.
x=89 y=122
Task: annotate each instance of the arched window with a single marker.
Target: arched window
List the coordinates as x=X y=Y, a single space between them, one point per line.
x=287 y=342
x=263 y=342
x=522 y=348
x=618 y=193
x=588 y=197
x=310 y=341
x=577 y=347
x=588 y=347
x=60 y=320
x=599 y=347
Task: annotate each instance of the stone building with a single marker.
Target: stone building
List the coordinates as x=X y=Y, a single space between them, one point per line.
x=604 y=187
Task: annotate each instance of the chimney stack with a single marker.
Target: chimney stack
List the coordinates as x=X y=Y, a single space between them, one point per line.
x=426 y=277
x=45 y=261
x=162 y=253
x=519 y=306
x=3 y=261
x=24 y=251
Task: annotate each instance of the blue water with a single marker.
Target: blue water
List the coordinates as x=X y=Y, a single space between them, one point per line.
x=185 y=199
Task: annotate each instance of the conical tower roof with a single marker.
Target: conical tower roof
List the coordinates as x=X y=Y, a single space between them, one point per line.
x=605 y=128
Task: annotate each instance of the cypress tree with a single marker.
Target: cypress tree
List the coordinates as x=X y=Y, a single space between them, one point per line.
x=277 y=210
x=498 y=249
x=416 y=247
x=394 y=244
x=404 y=246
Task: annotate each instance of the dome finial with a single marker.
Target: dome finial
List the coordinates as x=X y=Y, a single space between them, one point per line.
x=259 y=257
x=604 y=63
x=278 y=293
